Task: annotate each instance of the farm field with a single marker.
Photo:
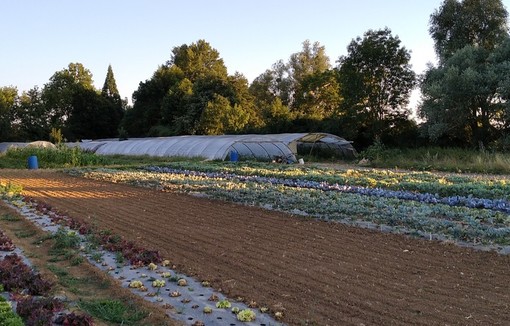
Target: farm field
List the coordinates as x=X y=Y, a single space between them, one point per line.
x=317 y=272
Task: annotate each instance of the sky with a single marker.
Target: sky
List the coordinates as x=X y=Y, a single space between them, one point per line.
x=40 y=38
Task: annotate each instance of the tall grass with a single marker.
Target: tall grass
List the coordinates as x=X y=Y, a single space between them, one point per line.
x=439 y=159
x=63 y=156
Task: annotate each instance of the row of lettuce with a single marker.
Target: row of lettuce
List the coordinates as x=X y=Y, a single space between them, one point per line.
x=31 y=293
x=425 y=204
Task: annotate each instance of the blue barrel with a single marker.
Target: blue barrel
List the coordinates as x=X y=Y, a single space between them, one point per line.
x=32 y=162
x=234 y=156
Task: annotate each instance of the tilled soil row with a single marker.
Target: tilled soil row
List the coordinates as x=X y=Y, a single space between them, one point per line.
x=321 y=273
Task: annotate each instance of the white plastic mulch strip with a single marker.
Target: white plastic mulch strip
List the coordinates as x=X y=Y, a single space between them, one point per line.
x=185 y=303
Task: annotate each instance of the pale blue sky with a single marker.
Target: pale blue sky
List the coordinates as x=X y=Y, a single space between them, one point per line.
x=40 y=37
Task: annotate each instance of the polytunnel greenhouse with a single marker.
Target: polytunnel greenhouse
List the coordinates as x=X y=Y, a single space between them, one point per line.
x=40 y=144
x=260 y=147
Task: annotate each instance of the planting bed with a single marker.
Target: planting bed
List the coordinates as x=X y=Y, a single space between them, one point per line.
x=316 y=272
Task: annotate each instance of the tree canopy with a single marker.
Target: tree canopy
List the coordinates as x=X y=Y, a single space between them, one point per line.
x=481 y=23
x=68 y=102
x=464 y=98
x=191 y=94
x=376 y=81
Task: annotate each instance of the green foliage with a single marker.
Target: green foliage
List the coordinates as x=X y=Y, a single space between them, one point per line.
x=10 y=218
x=440 y=159
x=198 y=60
x=465 y=100
x=33 y=116
x=59 y=92
x=376 y=81
x=7 y=316
x=66 y=239
x=468 y=22
x=50 y=158
x=64 y=278
x=456 y=223
x=8 y=98
x=219 y=117
x=93 y=116
x=305 y=87
x=113 y=311
x=246 y=315
x=8 y=189
x=223 y=304
x=110 y=85
x=56 y=136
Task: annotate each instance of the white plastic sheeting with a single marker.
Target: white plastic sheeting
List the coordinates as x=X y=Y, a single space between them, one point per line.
x=41 y=144
x=264 y=147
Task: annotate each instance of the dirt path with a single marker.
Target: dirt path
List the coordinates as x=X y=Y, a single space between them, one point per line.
x=320 y=273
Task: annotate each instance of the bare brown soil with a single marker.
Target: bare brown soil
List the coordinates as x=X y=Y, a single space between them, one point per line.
x=318 y=273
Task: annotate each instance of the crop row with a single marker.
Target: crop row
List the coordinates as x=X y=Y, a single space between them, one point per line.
x=31 y=292
x=421 y=218
x=479 y=186
x=472 y=202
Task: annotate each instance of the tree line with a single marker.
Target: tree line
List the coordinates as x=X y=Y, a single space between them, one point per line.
x=363 y=97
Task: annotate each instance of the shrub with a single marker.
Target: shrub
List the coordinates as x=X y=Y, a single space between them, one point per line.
x=73 y=319
x=17 y=276
x=38 y=311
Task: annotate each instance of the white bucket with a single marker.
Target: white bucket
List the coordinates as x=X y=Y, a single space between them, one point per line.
x=301 y=161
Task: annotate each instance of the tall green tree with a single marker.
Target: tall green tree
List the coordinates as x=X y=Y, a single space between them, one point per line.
x=305 y=85
x=8 y=99
x=115 y=108
x=220 y=117
x=93 y=117
x=198 y=60
x=191 y=87
x=148 y=99
x=481 y=23
x=58 y=93
x=376 y=81
x=33 y=121
x=464 y=98
x=110 y=85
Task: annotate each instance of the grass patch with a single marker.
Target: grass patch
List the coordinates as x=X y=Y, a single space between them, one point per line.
x=65 y=157
x=10 y=218
x=24 y=233
x=65 y=279
x=113 y=311
x=439 y=159
x=42 y=239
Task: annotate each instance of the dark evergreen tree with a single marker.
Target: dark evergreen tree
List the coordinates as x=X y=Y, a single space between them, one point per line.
x=110 y=86
x=116 y=105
